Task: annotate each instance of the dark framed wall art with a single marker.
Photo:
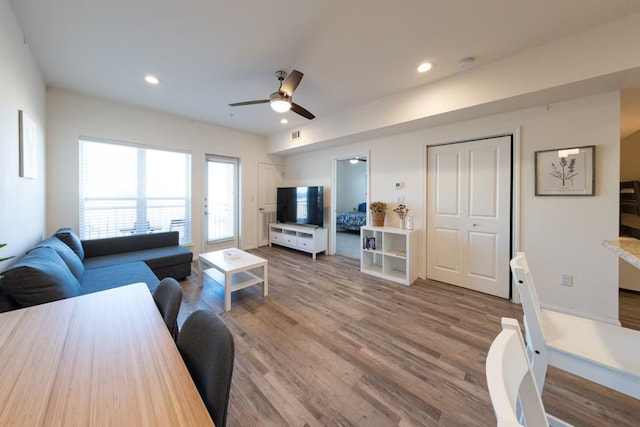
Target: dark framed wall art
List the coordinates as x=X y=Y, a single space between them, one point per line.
x=566 y=171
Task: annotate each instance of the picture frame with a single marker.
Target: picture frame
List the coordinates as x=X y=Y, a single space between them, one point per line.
x=369 y=243
x=566 y=171
x=27 y=135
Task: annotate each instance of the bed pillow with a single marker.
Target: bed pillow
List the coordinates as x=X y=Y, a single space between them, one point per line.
x=72 y=240
x=40 y=276
x=362 y=207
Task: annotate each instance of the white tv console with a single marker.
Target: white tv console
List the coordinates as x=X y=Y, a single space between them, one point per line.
x=303 y=238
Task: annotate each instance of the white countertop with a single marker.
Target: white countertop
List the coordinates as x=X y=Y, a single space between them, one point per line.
x=626 y=248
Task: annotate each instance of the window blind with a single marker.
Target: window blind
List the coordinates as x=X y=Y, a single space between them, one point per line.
x=129 y=189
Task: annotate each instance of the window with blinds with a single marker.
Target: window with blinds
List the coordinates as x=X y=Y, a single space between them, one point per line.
x=129 y=189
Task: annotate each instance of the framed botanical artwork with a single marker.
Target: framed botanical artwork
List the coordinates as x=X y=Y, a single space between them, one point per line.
x=566 y=172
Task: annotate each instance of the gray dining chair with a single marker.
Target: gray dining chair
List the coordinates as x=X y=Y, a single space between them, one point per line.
x=168 y=298
x=207 y=348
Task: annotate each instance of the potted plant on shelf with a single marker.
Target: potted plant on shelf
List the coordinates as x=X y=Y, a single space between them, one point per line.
x=378 y=210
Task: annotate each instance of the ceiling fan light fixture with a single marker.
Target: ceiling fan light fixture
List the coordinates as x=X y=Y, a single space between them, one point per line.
x=280 y=102
x=281 y=105
x=353 y=161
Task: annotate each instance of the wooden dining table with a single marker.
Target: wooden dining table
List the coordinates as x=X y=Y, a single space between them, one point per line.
x=103 y=359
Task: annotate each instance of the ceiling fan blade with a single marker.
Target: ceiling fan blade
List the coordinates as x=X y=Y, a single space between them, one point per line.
x=291 y=82
x=303 y=112
x=238 y=104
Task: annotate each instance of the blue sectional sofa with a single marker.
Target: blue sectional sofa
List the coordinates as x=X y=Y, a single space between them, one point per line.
x=63 y=266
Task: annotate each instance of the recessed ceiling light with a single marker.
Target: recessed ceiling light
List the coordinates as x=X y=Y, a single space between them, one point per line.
x=284 y=121
x=424 y=67
x=152 y=80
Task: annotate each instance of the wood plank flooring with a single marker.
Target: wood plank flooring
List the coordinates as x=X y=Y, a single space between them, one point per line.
x=332 y=346
x=630 y=309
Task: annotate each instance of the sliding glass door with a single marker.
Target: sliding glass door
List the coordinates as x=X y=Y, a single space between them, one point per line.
x=221 y=203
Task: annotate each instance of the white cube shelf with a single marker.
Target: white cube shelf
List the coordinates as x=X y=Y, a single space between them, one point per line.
x=389 y=253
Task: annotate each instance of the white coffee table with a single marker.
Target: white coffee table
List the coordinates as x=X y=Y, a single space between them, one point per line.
x=233 y=272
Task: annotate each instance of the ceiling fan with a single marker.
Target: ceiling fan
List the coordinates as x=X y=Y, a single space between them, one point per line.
x=281 y=99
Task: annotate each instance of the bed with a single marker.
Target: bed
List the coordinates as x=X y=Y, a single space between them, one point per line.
x=352 y=220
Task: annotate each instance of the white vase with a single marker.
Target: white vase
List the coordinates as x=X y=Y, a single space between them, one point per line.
x=409 y=222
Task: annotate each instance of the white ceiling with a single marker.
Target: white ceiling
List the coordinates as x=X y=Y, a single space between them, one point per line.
x=209 y=53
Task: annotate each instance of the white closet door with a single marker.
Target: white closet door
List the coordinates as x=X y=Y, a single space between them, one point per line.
x=469 y=214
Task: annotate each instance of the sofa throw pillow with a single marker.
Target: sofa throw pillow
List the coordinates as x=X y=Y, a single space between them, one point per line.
x=68 y=236
x=40 y=276
x=68 y=256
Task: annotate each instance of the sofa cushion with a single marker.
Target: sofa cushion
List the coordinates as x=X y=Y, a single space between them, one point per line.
x=6 y=303
x=100 y=279
x=68 y=236
x=153 y=257
x=131 y=243
x=68 y=256
x=40 y=276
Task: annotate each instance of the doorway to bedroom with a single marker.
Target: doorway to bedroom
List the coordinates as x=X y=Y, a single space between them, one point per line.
x=350 y=213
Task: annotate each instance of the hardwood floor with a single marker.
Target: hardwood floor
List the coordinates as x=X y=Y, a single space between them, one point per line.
x=333 y=346
x=630 y=309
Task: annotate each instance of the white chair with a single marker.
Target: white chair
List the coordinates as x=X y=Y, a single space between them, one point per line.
x=512 y=386
x=600 y=352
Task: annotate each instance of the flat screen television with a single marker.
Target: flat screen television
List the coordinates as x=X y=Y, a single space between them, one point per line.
x=301 y=205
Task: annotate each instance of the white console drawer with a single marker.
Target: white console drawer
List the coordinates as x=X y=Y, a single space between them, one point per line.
x=276 y=237
x=305 y=242
x=289 y=239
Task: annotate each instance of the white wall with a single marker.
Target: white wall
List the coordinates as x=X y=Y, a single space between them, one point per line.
x=71 y=115
x=630 y=157
x=559 y=234
x=22 y=205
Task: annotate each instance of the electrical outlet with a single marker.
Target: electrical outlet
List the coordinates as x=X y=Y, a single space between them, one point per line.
x=566 y=280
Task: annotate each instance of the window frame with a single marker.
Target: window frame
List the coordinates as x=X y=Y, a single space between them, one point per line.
x=235 y=161
x=141 y=199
